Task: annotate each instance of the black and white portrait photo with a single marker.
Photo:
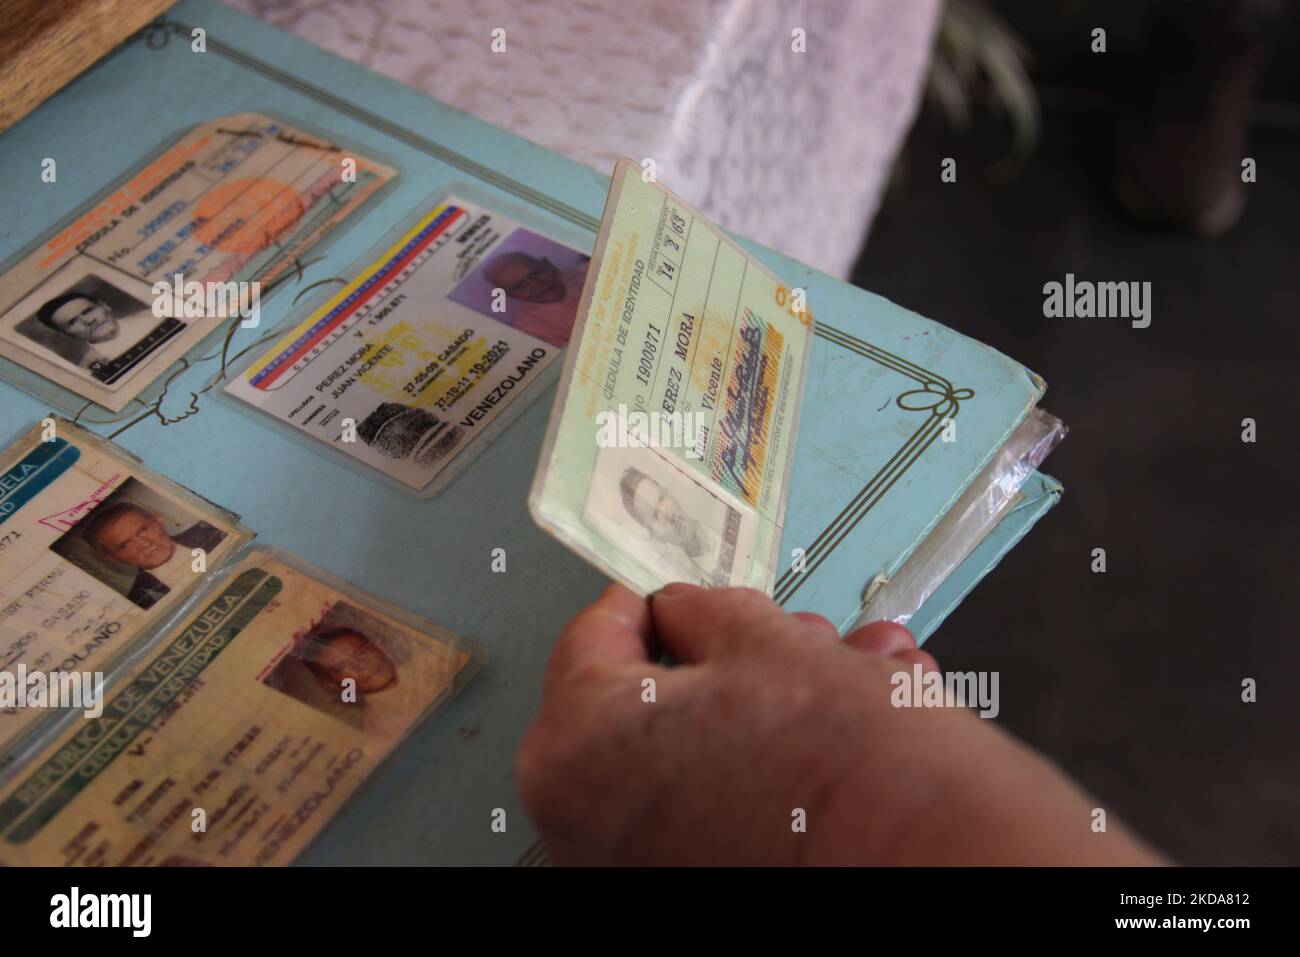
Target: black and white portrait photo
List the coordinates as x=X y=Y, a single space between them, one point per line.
x=85 y=320
x=684 y=531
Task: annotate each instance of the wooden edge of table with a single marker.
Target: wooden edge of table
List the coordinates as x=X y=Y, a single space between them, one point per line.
x=46 y=44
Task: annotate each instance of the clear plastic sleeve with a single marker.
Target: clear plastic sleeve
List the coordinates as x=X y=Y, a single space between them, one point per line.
x=422 y=266
x=979 y=509
x=277 y=692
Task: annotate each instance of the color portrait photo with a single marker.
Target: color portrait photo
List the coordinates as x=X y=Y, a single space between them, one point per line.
x=541 y=281
x=139 y=543
x=364 y=670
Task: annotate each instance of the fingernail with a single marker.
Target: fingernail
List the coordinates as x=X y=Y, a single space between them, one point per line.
x=673 y=589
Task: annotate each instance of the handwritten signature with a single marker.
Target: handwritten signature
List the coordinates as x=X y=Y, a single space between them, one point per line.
x=69 y=517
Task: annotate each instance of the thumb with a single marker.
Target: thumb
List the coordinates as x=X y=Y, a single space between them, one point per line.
x=695 y=624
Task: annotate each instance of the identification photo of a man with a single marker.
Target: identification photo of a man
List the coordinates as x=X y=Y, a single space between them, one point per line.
x=139 y=544
x=363 y=669
x=689 y=533
x=92 y=321
x=541 y=281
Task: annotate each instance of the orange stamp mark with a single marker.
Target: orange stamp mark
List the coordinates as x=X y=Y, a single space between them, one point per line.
x=245 y=216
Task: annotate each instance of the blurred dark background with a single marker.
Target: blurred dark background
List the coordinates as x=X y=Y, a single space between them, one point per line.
x=1132 y=679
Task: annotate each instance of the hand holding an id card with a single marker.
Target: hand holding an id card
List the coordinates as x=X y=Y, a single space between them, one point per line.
x=729 y=763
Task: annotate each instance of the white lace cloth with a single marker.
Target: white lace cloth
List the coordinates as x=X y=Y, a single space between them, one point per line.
x=788 y=148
